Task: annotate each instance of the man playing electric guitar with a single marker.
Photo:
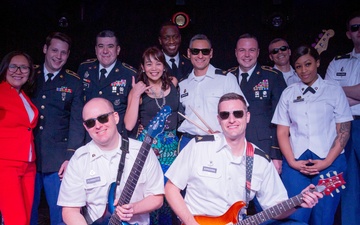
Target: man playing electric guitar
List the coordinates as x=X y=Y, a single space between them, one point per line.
x=94 y=167
x=216 y=174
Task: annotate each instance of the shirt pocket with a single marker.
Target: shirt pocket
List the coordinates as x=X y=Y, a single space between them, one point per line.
x=92 y=184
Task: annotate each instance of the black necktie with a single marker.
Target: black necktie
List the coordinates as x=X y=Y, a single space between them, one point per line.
x=102 y=74
x=309 y=89
x=173 y=66
x=243 y=80
x=49 y=75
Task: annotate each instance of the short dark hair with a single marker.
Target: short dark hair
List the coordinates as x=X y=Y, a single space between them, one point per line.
x=231 y=96
x=304 y=50
x=350 y=17
x=199 y=37
x=4 y=65
x=159 y=56
x=168 y=23
x=58 y=35
x=107 y=33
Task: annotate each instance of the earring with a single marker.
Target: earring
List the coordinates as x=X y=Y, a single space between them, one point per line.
x=143 y=71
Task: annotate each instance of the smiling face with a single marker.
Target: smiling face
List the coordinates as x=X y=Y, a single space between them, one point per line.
x=247 y=52
x=19 y=77
x=105 y=135
x=233 y=128
x=170 y=40
x=153 y=68
x=200 y=61
x=56 y=55
x=107 y=50
x=282 y=58
x=306 y=68
x=354 y=36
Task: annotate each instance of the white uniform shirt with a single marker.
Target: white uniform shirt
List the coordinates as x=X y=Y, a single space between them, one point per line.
x=312 y=117
x=203 y=94
x=215 y=179
x=290 y=77
x=89 y=175
x=346 y=72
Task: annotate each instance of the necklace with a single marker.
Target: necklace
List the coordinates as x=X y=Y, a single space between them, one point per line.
x=161 y=96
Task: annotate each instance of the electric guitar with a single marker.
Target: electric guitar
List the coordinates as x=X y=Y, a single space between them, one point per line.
x=323 y=42
x=156 y=126
x=325 y=186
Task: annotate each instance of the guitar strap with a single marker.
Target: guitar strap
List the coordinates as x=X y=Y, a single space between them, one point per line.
x=249 y=169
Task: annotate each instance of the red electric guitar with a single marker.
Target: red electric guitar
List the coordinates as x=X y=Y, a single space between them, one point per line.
x=325 y=186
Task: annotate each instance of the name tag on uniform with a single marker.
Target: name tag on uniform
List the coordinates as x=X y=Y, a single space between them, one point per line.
x=93 y=180
x=298 y=99
x=184 y=95
x=341 y=74
x=209 y=169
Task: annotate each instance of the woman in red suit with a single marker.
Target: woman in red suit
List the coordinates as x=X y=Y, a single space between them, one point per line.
x=18 y=116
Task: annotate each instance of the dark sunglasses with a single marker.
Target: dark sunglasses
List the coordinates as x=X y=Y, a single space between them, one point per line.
x=204 y=51
x=238 y=114
x=104 y=118
x=355 y=27
x=282 y=48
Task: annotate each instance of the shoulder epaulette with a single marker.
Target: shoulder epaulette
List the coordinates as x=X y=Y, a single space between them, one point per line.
x=262 y=154
x=269 y=68
x=233 y=69
x=129 y=67
x=347 y=56
x=89 y=61
x=220 y=72
x=201 y=138
x=72 y=73
x=185 y=56
x=35 y=66
x=184 y=77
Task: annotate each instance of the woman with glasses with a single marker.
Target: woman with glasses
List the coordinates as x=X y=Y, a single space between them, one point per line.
x=313 y=125
x=155 y=89
x=18 y=116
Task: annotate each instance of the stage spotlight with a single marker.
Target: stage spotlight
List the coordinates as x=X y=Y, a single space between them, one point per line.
x=181 y=19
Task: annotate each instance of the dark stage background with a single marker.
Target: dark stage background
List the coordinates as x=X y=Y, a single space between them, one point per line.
x=26 y=23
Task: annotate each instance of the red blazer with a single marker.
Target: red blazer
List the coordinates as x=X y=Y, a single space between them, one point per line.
x=16 y=134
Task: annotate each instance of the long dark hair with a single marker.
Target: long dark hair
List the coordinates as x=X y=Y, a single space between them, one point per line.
x=157 y=54
x=304 y=50
x=28 y=87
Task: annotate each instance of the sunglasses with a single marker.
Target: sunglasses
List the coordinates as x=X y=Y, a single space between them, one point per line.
x=355 y=27
x=104 y=118
x=282 y=48
x=238 y=114
x=204 y=51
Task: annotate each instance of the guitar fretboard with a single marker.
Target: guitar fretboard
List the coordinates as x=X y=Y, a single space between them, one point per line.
x=273 y=211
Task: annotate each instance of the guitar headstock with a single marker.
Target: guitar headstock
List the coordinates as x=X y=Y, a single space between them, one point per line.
x=323 y=42
x=329 y=184
x=157 y=124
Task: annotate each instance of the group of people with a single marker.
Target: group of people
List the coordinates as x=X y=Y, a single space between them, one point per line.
x=252 y=133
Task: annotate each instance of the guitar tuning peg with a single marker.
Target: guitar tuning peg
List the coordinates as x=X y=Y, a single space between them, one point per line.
x=313 y=45
x=320 y=35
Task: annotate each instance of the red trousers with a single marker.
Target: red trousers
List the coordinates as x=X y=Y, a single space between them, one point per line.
x=16 y=191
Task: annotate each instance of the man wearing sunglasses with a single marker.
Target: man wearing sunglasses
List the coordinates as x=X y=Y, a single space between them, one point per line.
x=262 y=86
x=106 y=76
x=345 y=69
x=59 y=132
x=213 y=170
x=279 y=53
x=95 y=166
x=201 y=89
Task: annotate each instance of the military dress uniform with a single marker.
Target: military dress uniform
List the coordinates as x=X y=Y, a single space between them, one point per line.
x=58 y=134
x=345 y=69
x=115 y=87
x=263 y=91
x=183 y=65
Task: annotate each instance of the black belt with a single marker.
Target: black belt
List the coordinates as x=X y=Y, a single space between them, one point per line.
x=356 y=117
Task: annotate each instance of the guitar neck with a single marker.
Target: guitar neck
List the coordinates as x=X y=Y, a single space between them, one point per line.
x=135 y=171
x=273 y=211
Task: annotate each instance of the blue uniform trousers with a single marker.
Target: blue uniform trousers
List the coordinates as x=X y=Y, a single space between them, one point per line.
x=295 y=182
x=51 y=184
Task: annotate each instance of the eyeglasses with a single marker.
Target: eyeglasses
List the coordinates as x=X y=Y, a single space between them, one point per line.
x=204 y=51
x=282 y=48
x=238 y=114
x=23 y=69
x=354 y=27
x=104 y=118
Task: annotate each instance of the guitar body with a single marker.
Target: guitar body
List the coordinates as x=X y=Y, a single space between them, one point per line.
x=228 y=218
